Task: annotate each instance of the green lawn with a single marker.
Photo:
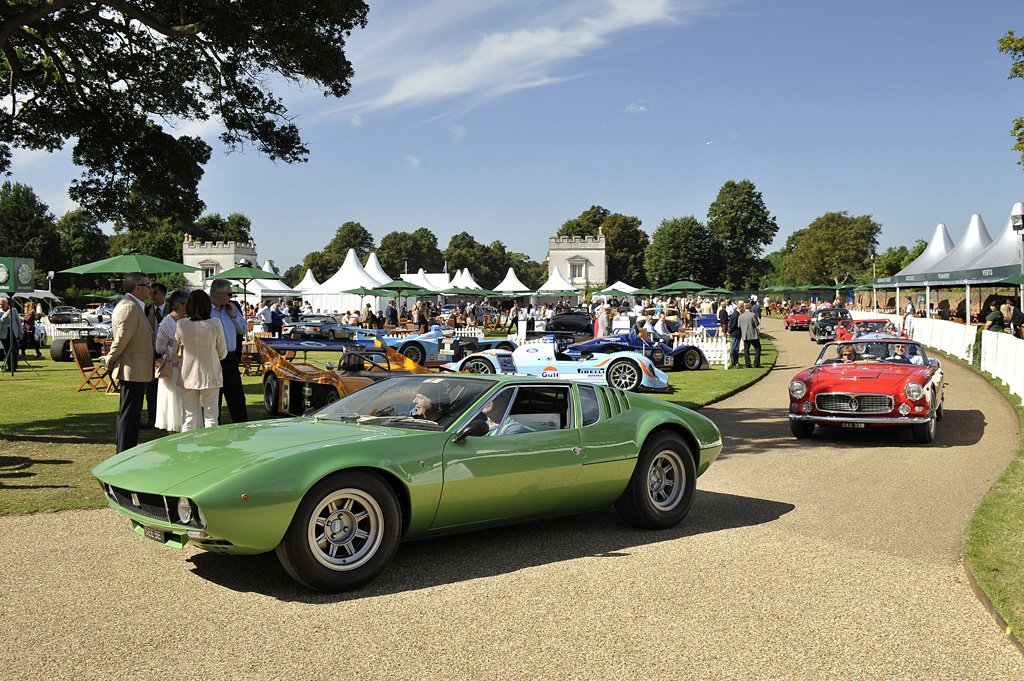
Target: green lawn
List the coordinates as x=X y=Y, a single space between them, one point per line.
x=52 y=436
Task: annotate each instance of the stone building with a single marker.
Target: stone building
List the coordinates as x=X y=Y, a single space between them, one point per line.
x=580 y=259
x=213 y=257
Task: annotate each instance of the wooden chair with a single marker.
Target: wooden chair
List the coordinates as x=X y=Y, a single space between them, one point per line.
x=251 y=357
x=94 y=374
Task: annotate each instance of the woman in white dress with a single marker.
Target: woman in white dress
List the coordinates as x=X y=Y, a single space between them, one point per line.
x=169 y=395
x=199 y=342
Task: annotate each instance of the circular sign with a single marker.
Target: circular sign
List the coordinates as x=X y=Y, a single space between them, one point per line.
x=24 y=273
x=5 y=274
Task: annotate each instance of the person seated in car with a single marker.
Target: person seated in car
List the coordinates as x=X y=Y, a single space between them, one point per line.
x=899 y=354
x=495 y=410
x=848 y=354
x=428 y=403
x=662 y=330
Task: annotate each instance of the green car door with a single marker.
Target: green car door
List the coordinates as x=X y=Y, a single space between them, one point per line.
x=523 y=466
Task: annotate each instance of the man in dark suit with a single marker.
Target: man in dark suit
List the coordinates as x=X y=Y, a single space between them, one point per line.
x=233 y=322
x=131 y=357
x=155 y=312
x=737 y=334
x=391 y=314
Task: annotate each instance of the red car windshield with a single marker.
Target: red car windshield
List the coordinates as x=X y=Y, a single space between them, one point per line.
x=874 y=351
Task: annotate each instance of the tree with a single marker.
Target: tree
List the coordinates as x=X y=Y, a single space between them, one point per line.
x=587 y=224
x=682 y=248
x=292 y=276
x=81 y=241
x=237 y=227
x=895 y=258
x=323 y=265
x=28 y=229
x=1014 y=47
x=405 y=251
x=531 y=273
x=832 y=249
x=739 y=221
x=102 y=72
x=351 y=235
x=625 y=244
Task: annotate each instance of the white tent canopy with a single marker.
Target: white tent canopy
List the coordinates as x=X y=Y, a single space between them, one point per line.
x=330 y=296
x=621 y=286
x=511 y=284
x=1004 y=251
x=556 y=282
x=374 y=269
x=976 y=239
x=308 y=282
x=938 y=248
x=431 y=282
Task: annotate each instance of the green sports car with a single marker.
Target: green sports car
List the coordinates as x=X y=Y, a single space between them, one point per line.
x=334 y=492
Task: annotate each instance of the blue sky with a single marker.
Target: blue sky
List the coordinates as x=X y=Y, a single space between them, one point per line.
x=506 y=118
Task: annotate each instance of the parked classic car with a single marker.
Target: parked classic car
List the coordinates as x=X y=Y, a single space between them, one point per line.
x=428 y=349
x=316 y=326
x=869 y=382
x=65 y=314
x=848 y=329
x=688 y=357
x=291 y=387
x=823 y=324
x=798 y=318
x=334 y=494
x=543 y=357
x=577 y=320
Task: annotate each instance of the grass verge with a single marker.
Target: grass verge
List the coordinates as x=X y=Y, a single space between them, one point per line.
x=52 y=436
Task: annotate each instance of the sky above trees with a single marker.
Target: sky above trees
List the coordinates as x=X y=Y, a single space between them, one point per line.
x=505 y=119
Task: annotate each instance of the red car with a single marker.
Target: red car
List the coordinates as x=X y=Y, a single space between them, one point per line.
x=848 y=329
x=798 y=318
x=869 y=383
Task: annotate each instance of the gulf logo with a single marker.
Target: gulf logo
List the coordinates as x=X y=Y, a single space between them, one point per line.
x=549 y=372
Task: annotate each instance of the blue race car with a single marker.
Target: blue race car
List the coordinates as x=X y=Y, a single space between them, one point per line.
x=542 y=357
x=434 y=348
x=688 y=357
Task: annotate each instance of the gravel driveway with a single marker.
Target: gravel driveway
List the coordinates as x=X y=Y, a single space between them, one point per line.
x=830 y=558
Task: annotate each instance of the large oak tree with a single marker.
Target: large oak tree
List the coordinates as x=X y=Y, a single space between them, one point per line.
x=107 y=73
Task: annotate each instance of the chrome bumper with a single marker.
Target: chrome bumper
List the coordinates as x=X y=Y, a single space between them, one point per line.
x=876 y=420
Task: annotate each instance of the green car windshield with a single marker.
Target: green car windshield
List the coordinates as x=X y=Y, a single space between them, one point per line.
x=427 y=402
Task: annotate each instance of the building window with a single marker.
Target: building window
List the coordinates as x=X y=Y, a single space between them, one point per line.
x=209 y=272
x=576 y=270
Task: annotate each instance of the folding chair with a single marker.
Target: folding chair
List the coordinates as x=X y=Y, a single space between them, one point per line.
x=92 y=373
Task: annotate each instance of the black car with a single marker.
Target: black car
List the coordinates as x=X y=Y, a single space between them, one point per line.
x=65 y=314
x=577 y=320
x=823 y=324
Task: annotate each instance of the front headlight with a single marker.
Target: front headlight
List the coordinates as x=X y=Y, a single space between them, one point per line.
x=797 y=389
x=184 y=510
x=914 y=391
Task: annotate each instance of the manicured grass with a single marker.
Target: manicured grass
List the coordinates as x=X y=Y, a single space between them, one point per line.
x=52 y=436
x=994 y=543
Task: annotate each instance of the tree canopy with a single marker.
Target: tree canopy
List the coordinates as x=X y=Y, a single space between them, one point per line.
x=625 y=244
x=682 y=248
x=351 y=235
x=739 y=221
x=105 y=72
x=404 y=251
x=587 y=224
x=832 y=248
x=1013 y=46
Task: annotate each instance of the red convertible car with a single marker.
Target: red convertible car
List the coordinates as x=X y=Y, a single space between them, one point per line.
x=868 y=383
x=798 y=318
x=848 y=329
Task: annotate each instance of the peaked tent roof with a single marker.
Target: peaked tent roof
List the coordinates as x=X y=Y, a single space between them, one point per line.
x=1004 y=251
x=349 y=276
x=308 y=282
x=976 y=239
x=556 y=282
x=430 y=282
x=374 y=269
x=458 y=281
x=621 y=286
x=938 y=248
x=470 y=282
x=511 y=283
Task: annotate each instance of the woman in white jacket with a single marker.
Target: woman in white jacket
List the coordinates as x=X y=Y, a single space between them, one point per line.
x=199 y=341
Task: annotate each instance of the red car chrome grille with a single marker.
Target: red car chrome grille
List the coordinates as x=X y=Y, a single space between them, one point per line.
x=854 y=402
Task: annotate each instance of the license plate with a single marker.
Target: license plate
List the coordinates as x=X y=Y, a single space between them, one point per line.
x=853 y=425
x=155 y=534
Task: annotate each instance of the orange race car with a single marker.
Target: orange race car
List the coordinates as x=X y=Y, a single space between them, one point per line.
x=293 y=388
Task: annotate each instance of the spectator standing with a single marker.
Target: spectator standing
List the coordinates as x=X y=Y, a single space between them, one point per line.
x=155 y=312
x=737 y=334
x=750 y=332
x=28 y=329
x=604 y=322
x=391 y=314
x=8 y=334
x=264 y=316
x=908 y=315
x=513 y=317
x=294 y=311
x=994 y=320
x=170 y=395
x=227 y=312
x=276 y=320
x=199 y=341
x=131 y=357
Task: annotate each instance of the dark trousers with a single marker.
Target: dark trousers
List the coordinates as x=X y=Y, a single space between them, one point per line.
x=735 y=351
x=151 y=401
x=756 y=342
x=233 y=393
x=128 y=413
x=9 y=353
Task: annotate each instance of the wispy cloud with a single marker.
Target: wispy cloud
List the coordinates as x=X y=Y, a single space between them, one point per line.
x=467 y=51
x=412 y=162
x=637 y=108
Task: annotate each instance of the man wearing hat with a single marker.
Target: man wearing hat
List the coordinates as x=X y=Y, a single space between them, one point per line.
x=604 y=321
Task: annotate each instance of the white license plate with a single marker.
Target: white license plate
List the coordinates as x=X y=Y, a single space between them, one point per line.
x=854 y=425
x=155 y=534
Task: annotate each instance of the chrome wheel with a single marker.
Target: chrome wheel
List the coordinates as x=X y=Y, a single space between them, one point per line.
x=414 y=352
x=345 y=529
x=478 y=365
x=624 y=374
x=666 y=480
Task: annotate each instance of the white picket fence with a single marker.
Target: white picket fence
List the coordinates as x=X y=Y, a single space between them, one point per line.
x=1002 y=355
x=715 y=349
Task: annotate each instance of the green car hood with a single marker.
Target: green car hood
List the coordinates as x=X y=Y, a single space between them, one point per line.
x=167 y=462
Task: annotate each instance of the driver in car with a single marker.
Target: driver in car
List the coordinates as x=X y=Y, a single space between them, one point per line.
x=900 y=355
x=428 y=403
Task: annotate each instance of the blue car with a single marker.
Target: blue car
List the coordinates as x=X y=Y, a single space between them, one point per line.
x=434 y=348
x=544 y=358
x=688 y=357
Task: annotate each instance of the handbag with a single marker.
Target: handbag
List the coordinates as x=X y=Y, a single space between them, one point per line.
x=163 y=368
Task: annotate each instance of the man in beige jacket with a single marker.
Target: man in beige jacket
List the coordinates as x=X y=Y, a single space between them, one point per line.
x=131 y=357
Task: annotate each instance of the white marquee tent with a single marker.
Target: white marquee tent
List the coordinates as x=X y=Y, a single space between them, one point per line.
x=330 y=296
x=511 y=284
x=374 y=269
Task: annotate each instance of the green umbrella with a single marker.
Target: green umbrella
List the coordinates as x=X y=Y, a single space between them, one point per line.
x=459 y=291
x=403 y=286
x=719 y=291
x=645 y=292
x=130 y=260
x=238 y=290
x=573 y=292
x=363 y=291
x=682 y=285
x=244 y=274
